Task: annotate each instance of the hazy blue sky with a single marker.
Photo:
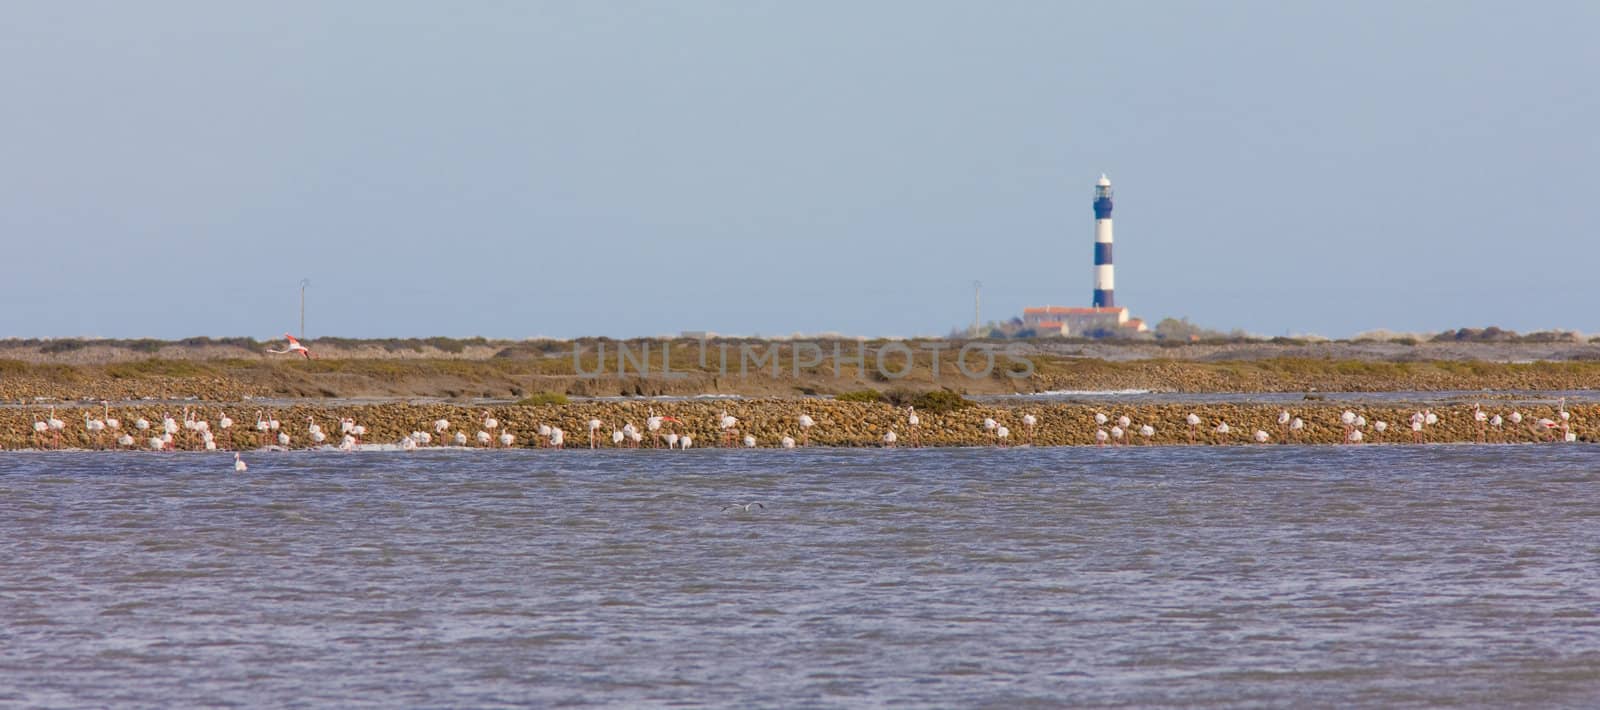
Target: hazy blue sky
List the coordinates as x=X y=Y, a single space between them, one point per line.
x=511 y=169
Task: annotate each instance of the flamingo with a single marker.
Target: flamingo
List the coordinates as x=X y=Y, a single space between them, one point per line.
x=1222 y=430
x=672 y=439
x=544 y=432
x=1380 y=427
x=112 y=423
x=56 y=427
x=407 y=443
x=423 y=438
x=1296 y=427
x=1481 y=419
x=460 y=438
x=1193 y=421
x=1100 y=437
x=685 y=442
x=506 y=439
x=652 y=424
x=806 y=422
x=1100 y=419
x=96 y=427
x=1147 y=431
x=293 y=346
x=1124 y=422
x=125 y=440
x=239 y=466
x=1261 y=436
x=359 y=431
x=628 y=431
x=1116 y=435
x=283 y=439
x=156 y=443
x=261 y=429
x=1283 y=424
x=991 y=425
x=1497 y=421
x=728 y=425
x=1001 y=435
x=347 y=443
x=787 y=442
x=594 y=431
x=912 y=423
x=39 y=428
x=1354 y=436
x=749 y=441
x=1416 y=427
x=889 y=439
x=1028 y=420
x=483 y=438
x=440 y=426
x=1348 y=419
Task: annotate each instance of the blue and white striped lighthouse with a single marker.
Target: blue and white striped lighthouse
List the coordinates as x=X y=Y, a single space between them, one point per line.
x=1102 y=245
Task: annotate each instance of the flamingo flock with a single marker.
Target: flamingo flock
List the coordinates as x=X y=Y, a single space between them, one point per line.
x=189 y=429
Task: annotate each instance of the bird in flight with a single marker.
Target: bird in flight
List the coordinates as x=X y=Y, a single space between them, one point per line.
x=294 y=346
x=746 y=507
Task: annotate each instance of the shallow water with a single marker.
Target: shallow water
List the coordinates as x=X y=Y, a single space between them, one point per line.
x=1326 y=576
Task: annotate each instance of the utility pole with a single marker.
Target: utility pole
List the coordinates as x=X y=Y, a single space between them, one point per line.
x=303 y=284
x=977 y=307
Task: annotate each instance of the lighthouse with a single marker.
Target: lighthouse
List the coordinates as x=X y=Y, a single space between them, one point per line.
x=1102 y=245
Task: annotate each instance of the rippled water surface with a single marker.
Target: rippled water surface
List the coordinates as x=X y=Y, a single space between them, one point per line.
x=1377 y=576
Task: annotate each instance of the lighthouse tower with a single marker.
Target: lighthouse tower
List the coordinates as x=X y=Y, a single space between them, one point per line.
x=1102 y=245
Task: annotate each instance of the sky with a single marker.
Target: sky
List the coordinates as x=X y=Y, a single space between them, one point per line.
x=522 y=169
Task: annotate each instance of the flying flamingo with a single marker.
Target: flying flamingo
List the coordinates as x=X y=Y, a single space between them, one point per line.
x=294 y=346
